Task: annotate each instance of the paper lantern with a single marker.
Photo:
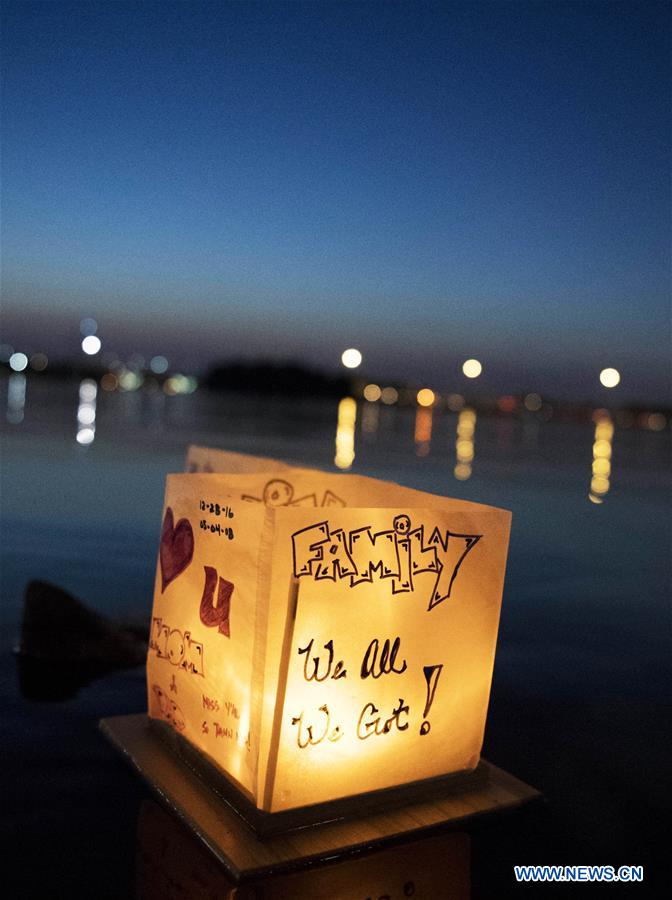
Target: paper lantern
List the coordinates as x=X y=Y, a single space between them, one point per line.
x=317 y=636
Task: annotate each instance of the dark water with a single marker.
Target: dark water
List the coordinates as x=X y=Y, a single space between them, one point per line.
x=580 y=700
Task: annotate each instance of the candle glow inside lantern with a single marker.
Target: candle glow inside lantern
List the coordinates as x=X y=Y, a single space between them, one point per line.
x=318 y=636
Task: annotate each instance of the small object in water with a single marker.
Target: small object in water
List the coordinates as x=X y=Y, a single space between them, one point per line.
x=64 y=645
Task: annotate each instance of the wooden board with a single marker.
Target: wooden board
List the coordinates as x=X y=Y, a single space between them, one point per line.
x=246 y=856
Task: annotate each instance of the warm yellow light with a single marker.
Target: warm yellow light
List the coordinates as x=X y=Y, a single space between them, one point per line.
x=425 y=397
x=599 y=484
x=602 y=448
x=604 y=430
x=609 y=378
x=601 y=466
x=389 y=396
x=472 y=368
x=465 y=450
x=465 y=428
x=372 y=393
x=345 y=433
x=464 y=445
x=376 y=609
x=351 y=358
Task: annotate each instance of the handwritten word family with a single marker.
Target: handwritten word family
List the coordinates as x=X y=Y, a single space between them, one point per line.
x=399 y=554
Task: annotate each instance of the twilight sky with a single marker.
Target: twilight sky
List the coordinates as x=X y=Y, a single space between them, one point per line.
x=427 y=182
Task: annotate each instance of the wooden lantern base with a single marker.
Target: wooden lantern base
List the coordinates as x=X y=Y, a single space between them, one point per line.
x=251 y=844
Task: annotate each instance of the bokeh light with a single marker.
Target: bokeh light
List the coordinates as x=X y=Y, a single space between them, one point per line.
x=601 y=466
x=609 y=378
x=389 y=396
x=86 y=412
x=464 y=444
x=91 y=345
x=158 y=365
x=472 y=368
x=372 y=393
x=351 y=358
x=18 y=362
x=507 y=404
x=533 y=402
x=656 y=422
x=425 y=397
x=423 y=428
x=87 y=391
x=16 y=398
x=109 y=382
x=129 y=381
x=85 y=436
x=345 y=433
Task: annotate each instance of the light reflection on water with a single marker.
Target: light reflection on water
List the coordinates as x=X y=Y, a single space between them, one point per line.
x=423 y=430
x=370 y=417
x=345 y=433
x=600 y=481
x=16 y=398
x=432 y=447
x=464 y=444
x=86 y=412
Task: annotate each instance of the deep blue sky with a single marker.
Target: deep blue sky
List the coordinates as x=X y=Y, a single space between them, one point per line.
x=427 y=182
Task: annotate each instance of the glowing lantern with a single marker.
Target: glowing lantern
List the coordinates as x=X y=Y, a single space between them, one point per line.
x=315 y=635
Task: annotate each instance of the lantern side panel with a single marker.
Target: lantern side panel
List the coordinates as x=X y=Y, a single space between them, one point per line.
x=332 y=493
x=204 y=619
x=388 y=664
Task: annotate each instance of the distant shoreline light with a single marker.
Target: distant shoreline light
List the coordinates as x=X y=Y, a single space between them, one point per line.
x=18 y=361
x=609 y=378
x=91 y=345
x=472 y=368
x=351 y=358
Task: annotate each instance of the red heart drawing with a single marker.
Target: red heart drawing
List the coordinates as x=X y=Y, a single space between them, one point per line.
x=177 y=548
